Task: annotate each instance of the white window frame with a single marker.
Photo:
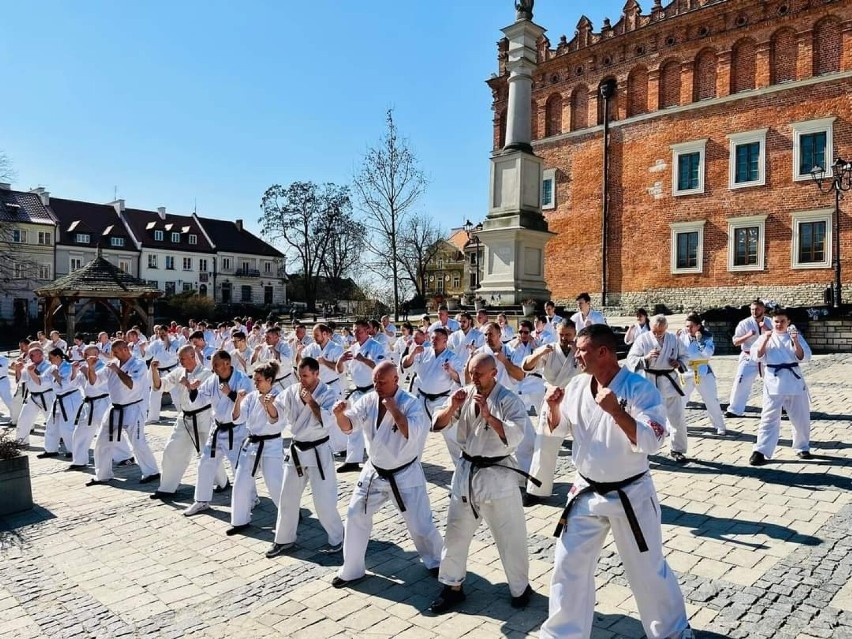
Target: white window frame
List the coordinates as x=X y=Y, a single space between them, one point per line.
x=83 y=238
x=175 y=238
x=153 y=261
x=548 y=175
x=686 y=148
x=45 y=238
x=75 y=264
x=193 y=238
x=226 y=263
x=22 y=236
x=124 y=265
x=116 y=242
x=158 y=236
x=739 y=139
x=687 y=227
x=819 y=215
x=169 y=259
x=187 y=287
x=456 y=281
x=45 y=272
x=187 y=264
x=735 y=223
x=805 y=128
x=267 y=268
x=202 y=264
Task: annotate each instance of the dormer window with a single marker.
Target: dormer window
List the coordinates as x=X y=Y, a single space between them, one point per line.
x=193 y=239
x=175 y=237
x=82 y=238
x=116 y=242
x=158 y=236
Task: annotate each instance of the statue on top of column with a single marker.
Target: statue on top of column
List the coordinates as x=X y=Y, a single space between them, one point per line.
x=524 y=9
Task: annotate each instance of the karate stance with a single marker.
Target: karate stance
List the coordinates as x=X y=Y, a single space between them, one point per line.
x=699 y=346
x=748 y=368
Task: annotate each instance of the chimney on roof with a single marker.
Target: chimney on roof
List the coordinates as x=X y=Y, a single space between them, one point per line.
x=161 y=211
x=118 y=205
x=5 y=186
x=43 y=195
x=239 y=224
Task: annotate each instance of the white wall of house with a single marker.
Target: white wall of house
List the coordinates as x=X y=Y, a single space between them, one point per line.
x=82 y=255
x=186 y=274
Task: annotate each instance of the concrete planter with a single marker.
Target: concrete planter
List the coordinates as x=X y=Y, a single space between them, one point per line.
x=528 y=309
x=16 y=493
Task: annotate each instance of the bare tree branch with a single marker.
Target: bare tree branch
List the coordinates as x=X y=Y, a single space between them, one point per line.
x=419 y=241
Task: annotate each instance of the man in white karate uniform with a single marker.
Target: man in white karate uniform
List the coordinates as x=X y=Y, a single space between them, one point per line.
x=395 y=424
x=586 y=315
x=699 y=346
x=784 y=386
x=467 y=339
x=91 y=412
x=307 y=410
x=165 y=350
x=327 y=353
x=552 y=318
x=444 y=321
x=490 y=421
x=39 y=392
x=745 y=336
x=615 y=420
x=659 y=355
x=276 y=349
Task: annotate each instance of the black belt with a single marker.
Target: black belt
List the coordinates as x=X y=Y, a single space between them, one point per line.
x=789 y=366
x=259 y=440
x=389 y=475
x=120 y=408
x=478 y=462
x=167 y=369
x=359 y=389
x=603 y=489
x=535 y=375
x=59 y=399
x=223 y=426
x=281 y=379
x=306 y=446
x=43 y=400
x=194 y=414
x=431 y=398
x=91 y=401
x=668 y=375
x=336 y=379
x=4 y=377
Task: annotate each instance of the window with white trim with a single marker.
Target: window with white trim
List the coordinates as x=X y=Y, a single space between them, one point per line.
x=202 y=264
x=45 y=272
x=116 y=242
x=439 y=283
x=688 y=167
x=170 y=262
x=548 y=189
x=187 y=287
x=746 y=243
x=747 y=159
x=124 y=265
x=813 y=235
x=226 y=263
x=187 y=264
x=75 y=264
x=45 y=238
x=175 y=237
x=813 y=145
x=170 y=288
x=687 y=247
x=456 y=281
x=82 y=238
x=158 y=236
x=152 y=261
x=267 y=268
x=19 y=236
x=193 y=238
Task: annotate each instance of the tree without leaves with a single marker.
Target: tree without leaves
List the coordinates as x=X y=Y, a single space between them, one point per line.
x=305 y=217
x=387 y=186
x=419 y=242
x=18 y=273
x=344 y=251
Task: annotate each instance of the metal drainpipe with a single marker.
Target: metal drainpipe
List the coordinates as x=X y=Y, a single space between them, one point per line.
x=606 y=91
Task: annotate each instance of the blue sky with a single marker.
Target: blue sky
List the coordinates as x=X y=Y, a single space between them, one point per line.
x=212 y=101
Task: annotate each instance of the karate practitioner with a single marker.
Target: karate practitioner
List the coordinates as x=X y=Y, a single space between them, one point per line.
x=507 y=333
x=241 y=353
x=39 y=392
x=467 y=339
x=21 y=392
x=226 y=437
x=552 y=318
x=746 y=334
x=5 y=384
x=165 y=351
x=784 y=386
x=91 y=411
x=327 y=353
x=615 y=419
x=698 y=343
x=586 y=315
x=306 y=408
x=642 y=325
x=126 y=382
x=263 y=448
x=395 y=424
x=491 y=421
x=63 y=409
x=359 y=361
x=659 y=355
x=444 y=321
x=556 y=363
x=192 y=425
x=276 y=350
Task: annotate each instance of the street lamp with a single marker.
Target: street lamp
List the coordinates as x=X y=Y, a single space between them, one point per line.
x=473 y=234
x=841 y=180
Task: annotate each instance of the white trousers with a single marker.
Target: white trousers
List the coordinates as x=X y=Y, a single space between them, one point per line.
x=133 y=430
x=339 y=440
x=417 y=517
x=676 y=417
x=543 y=465
x=17 y=403
x=34 y=406
x=6 y=393
x=271 y=466
x=708 y=391
x=61 y=425
x=155 y=402
x=86 y=427
x=208 y=465
x=505 y=518
x=355 y=442
x=449 y=433
x=180 y=449
x=654 y=585
x=798 y=409
x=747 y=372
x=324 y=493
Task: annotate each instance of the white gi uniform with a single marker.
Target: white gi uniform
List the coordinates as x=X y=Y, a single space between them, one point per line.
x=362 y=378
x=39 y=398
x=531 y=391
x=603 y=455
x=241 y=360
x=451 y=326
x=507 y=333
x=783 y=387
x=435 y=387
x=463 y=344
x=125 y=412
x=167 y=356
x=5 y=383
x=309 y=459
x=67 y=400
x=638 y=329
x=262 y=449
x=331 y=378
x=557 y=368
x=664 y=377
x=702 y=347
x=226 y=436
x=747 y=368
x=483 y=490
x=595 y=317
x=553 y=322
x=89 y=415
x=191 y=429
x=282 y=354
x=20 y=396
x=398 y=459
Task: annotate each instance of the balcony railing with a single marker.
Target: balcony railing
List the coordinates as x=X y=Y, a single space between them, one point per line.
x=247 y=272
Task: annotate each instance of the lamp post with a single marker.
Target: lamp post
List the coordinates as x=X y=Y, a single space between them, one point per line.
x=840 y=180
x=473 y=234
x=607 y=92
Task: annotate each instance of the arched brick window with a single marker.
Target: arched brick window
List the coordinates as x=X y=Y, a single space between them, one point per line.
x=637 y=91
x=704 y=81
x=743 y=65
x=580 y=107
x=670 y=84
x=827 y=46
x=553 y=115
x=782 y=56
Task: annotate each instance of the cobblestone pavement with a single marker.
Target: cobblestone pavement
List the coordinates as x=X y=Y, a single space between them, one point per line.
x=761 y=552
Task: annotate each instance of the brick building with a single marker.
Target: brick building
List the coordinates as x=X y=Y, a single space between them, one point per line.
x=718 y=111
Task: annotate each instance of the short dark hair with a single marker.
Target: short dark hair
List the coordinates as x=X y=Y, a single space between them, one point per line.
x=222 y=354
x=567 y=322
x=526 y=324
x=780 y=310
x=550 y=303
x=443 y=331
x=466 y=316
x=758 y=302
x=600 y=335
x=309 y=362
x=196 y=335
x=693 y=318
x=239 y=334
x=583 y=297
x=641 y=311
x=269 y=370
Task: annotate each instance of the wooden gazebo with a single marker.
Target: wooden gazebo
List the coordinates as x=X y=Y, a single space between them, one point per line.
x=99 y=282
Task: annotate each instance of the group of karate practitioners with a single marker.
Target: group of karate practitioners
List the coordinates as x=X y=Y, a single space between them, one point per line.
x=503 y=408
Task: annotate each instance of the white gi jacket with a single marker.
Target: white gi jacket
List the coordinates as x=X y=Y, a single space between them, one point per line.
x=303 y=424
x=253 y=414
x=460 y=343
x=670 y=349
x=750 y=324
x=452 y=326
x=699 y=347
x=596 y=317
x=557 y=367
x=780 y=351
x=503 y=377
x=170 y=383
x=331 y=352
x=362 y=375
x=429 y=367
x=223 y=406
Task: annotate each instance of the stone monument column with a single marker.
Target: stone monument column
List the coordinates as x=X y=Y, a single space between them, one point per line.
x=515 y=232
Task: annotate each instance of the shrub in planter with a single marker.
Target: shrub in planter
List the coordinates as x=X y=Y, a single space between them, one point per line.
x=16 y=492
